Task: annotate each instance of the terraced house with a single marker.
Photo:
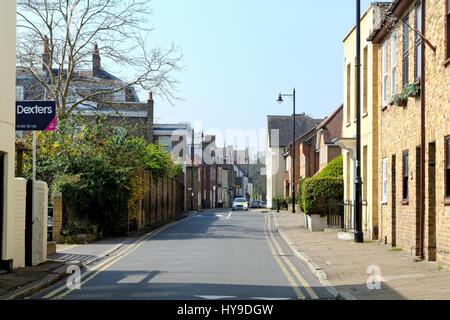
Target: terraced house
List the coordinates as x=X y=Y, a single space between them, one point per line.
x=369 y=121
x=414 y=127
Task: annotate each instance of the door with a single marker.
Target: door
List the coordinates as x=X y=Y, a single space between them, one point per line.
x=2 y=182
x=432 y=202
x=394 y=201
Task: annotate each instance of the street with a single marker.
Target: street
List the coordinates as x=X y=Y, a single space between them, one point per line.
x=214 y=255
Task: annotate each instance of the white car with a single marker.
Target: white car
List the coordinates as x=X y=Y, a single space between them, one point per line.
x=240 y=204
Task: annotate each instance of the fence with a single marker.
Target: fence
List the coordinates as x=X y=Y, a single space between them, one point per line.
x=341 y=215
x=163 y=201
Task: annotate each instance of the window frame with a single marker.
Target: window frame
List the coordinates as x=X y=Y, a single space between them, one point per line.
x=385 y=180
x=447 y=168
x=405 y=176
x=418 y=42
x=384 y=76
x=348 y=108
x=394 y=62
x=405 y=55
x=447 y=16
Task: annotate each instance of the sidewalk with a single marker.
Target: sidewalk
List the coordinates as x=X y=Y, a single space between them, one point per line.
x=24 y=282
x=346 y=265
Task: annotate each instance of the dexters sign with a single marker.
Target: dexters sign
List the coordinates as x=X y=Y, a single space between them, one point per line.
x=35 y=116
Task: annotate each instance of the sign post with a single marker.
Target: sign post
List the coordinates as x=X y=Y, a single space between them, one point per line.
x=35 y=116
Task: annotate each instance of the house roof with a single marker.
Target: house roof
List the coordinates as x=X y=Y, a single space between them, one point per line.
x=284 y=124
x=396 y=9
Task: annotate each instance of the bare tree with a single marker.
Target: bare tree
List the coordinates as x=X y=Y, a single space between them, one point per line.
x=55 y=41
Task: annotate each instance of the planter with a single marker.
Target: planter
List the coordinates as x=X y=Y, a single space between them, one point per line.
x=316 y=223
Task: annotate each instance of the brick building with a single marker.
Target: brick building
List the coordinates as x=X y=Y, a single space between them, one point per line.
x=118 y=100
x=369 y=122
x=279 y=136
x=314 y=150
x=414 y=128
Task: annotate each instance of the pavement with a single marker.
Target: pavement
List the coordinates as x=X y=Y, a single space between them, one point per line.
x=24 y=282
x=212 y=255
x=348 y=267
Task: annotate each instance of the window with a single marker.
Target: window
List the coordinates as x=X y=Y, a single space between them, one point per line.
x=393 y=63
x=19 y=93
x=405 y=176
x=385 y=75
x=354 y=85
x=448 y=28
x=365 y=84
x=447 y=167
x=349 y=92
x=384 y=193
x=418 y=42
x=405 y=62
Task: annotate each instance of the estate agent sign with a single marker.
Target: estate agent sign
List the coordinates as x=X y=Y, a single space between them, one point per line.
x=35 y=116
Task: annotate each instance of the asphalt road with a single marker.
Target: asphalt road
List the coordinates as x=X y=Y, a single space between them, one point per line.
x=212 y=255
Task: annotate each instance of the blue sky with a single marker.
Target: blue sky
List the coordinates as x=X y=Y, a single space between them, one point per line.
x=239 y=54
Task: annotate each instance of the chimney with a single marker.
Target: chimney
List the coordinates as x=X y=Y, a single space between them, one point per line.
x=96 y=61
x=46 y=55
x=150 y=118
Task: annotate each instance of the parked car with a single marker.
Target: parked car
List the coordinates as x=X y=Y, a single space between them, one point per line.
x=263 y=204
x=240 y=204
x=256 y=204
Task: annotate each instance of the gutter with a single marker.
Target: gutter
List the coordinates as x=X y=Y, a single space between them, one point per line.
x=422 y=141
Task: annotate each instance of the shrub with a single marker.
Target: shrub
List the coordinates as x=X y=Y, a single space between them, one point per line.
x=334 y=169
x=284 y=203
x=318 y=192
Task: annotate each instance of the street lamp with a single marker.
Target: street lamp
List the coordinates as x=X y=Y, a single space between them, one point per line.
x=280 y=101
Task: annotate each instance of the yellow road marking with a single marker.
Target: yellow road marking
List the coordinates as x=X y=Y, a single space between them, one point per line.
x=107 y=263
x=294 y=270
x=282 y=267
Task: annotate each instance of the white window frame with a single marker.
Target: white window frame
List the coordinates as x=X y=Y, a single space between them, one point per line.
x=384 y=75
x=20 y=93
x=394 y=62
x=384 y=184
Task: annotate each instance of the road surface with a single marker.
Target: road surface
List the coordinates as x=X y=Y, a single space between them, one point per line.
x=213 y=255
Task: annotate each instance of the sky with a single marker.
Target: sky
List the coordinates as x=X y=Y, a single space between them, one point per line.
x=240 y=54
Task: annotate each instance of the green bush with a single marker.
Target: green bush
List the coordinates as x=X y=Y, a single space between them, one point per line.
x=334 y=169
x=318 y=192
x=284 y=203
x=327 y=186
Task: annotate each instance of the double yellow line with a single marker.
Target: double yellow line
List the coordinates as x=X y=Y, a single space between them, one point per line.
x=63 y=291
x=286 y=265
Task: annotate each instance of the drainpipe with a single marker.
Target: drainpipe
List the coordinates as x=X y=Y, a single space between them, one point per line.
x=422 y=141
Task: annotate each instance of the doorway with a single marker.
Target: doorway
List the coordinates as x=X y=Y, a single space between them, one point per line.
x=2 y=182
x=432 y=202
x=394 y=201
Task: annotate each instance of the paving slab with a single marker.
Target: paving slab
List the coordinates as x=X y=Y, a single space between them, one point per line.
x=348 y=265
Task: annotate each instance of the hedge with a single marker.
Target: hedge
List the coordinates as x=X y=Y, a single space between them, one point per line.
x=334 y=169
x=318 y=192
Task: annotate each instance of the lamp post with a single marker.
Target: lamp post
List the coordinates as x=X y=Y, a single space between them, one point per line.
x=359 y=236
x=280 y=101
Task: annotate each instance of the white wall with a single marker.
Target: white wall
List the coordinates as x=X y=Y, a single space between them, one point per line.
x=7 y=117
x=18 y=241
x=40 y=223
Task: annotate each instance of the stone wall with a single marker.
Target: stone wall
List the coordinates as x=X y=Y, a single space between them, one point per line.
x=40 y=220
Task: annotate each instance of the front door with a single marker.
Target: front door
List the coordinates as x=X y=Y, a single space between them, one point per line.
x=2 y=207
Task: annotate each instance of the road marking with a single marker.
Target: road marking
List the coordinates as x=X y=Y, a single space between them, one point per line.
x=294 y=270
x=282 y=267
x=59 y=292
x=229 y=215
x=215 y=297
x=270 y=299
x=133 y=279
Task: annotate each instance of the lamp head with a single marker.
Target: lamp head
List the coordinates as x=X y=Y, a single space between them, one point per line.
x=280 y=99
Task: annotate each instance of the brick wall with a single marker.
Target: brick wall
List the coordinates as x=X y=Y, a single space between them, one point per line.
x=399 y=130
